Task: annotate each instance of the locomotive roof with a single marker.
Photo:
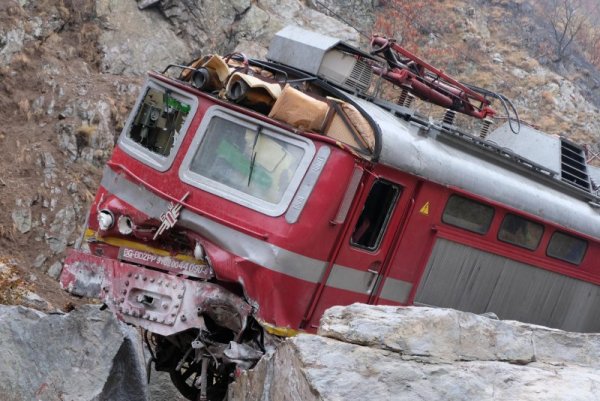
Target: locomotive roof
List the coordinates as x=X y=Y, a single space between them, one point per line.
x=434 y=152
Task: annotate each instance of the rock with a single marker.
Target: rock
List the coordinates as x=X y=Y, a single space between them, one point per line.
x=408 y=353
x=33 y=300
x=250 y=25
x=146 y=3
x=61 y=229
x=39 y=261
x=358 y=13
x=4 y=268
x=72 y=188
x=11 y=43
x=135 y=42
x=161 y=388
x=85 y=355
x=55 y=269
x=47 y=160
x=21 y=217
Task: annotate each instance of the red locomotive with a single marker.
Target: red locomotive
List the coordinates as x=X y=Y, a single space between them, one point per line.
x=245 y=197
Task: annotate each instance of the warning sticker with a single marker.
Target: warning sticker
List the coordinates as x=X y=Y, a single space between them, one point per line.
x=425 y=209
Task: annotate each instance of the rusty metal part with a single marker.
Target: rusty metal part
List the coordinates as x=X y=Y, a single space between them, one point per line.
x=159 y=302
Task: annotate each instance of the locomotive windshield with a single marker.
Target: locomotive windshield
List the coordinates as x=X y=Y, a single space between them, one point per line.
x=247 y=162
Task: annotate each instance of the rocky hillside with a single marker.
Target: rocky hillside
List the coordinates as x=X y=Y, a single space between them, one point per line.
x=71 y=69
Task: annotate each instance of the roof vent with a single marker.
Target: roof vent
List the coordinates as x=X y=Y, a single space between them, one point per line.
x=573 y=165
x=326 y=57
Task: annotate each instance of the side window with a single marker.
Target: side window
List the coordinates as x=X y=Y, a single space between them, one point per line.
x=468 y=214
x=566 y=247
x=521 y=232
x=158 y=121
x=375 y=215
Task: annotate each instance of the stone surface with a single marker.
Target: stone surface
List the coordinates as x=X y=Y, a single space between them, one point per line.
x=64 y=224
x=85 y=355
x=162 y=389
x=450 y=335
x=397 y=353
x=55 y=269
x=21 y=216
x=134 y=42
x=242 y=25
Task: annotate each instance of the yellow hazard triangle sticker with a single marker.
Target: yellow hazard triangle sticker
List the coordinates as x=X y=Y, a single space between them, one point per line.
x=425 y=209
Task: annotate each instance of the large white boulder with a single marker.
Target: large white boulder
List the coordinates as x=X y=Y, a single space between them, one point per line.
x=413 y=353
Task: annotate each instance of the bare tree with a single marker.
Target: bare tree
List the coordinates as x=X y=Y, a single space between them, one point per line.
x=567 y=19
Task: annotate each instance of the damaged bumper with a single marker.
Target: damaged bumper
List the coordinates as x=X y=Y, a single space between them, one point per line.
x=159 y=302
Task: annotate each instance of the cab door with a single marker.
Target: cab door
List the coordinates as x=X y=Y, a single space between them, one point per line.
x=355 y=269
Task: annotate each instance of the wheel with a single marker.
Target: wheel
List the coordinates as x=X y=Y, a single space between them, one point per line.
x=217 y=380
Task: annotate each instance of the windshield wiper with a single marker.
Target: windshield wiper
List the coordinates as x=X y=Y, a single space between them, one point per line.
x=253 y=160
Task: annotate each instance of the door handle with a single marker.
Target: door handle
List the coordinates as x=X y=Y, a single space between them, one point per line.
x=374 y=271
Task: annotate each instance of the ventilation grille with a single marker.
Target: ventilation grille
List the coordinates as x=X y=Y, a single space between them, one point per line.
x=573 y=165
x=360 y=77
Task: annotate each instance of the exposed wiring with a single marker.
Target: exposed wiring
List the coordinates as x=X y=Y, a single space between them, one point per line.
x=506 y=104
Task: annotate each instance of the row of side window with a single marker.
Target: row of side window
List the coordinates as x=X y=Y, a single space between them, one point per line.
x=477 y=217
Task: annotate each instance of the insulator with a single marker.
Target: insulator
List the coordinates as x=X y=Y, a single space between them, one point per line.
x=449 y=117
x=409 y=100
x=485 y=128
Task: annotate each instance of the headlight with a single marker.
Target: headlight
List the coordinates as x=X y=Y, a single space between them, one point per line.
x=125 y=225
x=105 y=220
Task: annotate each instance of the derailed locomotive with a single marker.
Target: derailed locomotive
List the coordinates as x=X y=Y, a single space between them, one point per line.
x=245 y=197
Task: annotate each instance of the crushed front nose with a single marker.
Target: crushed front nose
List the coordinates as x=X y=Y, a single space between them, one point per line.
x=83 y=274
x=160 y=302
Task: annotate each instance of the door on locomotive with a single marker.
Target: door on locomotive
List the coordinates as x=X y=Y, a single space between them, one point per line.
x=358 y=268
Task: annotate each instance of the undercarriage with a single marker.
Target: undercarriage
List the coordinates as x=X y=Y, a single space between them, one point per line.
x=199 y=331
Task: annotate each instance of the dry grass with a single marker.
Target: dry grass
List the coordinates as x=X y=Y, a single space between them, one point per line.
x=12 y=286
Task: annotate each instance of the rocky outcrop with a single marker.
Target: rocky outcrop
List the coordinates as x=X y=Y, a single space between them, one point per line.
x=84 y=355
x=135 y=42
x=408 y=353
x=181 y=30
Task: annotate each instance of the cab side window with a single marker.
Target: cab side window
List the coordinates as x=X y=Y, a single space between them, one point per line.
x=375 y=215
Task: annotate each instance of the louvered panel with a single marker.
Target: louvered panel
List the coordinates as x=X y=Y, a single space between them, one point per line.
x=573 y=165
x=465 y=278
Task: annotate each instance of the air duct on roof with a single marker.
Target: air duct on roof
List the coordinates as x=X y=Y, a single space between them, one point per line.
x=323 y=56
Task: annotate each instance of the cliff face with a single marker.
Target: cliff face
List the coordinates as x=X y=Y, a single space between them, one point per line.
x=70 y=71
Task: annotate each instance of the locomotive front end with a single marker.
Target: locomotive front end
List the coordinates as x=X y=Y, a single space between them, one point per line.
x=148 y=251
